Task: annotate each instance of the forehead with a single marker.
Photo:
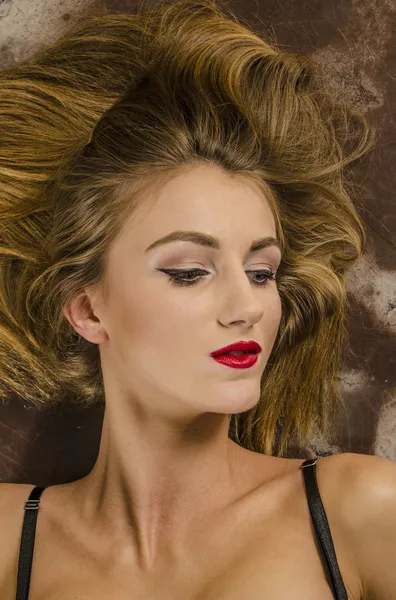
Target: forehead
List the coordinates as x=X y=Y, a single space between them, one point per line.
x=203 y=198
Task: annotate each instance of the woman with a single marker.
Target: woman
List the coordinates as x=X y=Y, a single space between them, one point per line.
x=173 y=184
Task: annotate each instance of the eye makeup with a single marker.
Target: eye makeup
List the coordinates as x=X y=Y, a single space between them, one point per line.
x=191 y=277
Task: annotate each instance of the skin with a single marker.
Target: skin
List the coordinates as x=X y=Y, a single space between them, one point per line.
x=165 y=459
x=173 y=508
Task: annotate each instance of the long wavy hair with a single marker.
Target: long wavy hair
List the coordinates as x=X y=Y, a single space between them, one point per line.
x=123 y=102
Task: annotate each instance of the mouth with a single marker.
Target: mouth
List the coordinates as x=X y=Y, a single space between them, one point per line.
x=236 y=353
x=238 y=349
x=241 y=360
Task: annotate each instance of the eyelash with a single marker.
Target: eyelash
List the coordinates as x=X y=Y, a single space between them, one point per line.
x=176 y=276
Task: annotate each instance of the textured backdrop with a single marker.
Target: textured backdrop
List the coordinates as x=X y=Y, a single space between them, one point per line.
x=354 y=40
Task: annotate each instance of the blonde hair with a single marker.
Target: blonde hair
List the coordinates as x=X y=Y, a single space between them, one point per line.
x=125 y=101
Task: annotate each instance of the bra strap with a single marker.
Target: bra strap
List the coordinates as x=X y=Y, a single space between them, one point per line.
x=322 y=529
x=27 y=543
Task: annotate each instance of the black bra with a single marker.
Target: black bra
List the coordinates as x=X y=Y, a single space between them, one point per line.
x=318 y=515
x=322 y=530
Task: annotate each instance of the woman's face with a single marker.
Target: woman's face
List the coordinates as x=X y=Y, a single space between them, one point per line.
x=159 y=334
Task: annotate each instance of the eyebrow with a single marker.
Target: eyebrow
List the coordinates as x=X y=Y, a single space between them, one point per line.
x=204 y=239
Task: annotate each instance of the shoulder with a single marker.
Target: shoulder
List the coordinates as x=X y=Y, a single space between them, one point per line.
x=373 y=473
x=11 y=494
x=12 y=500
x=361 y=490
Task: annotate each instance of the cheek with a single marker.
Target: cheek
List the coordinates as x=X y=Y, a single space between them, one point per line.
x=278 y=310
x=147 y=321
x=272 y=317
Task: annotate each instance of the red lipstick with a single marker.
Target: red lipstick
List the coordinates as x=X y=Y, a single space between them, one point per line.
x=247 y=359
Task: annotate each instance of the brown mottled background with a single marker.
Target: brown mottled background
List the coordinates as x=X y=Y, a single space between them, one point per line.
x=355 y=42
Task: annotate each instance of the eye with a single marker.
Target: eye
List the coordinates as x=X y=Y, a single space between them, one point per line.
x=193 y=276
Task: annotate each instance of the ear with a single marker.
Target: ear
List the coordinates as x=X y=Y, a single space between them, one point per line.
x=83 y=313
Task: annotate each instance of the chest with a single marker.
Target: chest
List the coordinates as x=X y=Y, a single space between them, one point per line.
x=246 y=579
x=265 y=553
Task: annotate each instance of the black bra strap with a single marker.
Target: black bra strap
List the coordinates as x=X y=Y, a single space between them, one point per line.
x=322 y=529
x=27 y=543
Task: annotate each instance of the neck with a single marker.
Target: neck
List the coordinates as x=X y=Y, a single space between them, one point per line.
x=154 y=481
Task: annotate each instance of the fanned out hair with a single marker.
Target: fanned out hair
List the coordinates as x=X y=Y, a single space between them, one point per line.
x=120 y=104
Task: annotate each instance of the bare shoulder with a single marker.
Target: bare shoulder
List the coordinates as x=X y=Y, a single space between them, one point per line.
x=354 y=469
x=360 y=491
x=12 y=499
x=360 y=484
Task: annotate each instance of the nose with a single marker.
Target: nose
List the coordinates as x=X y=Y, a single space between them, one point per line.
x=243 y=302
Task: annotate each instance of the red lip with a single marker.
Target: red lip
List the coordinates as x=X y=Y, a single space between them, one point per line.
x=242 y=346
x=237 y=362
